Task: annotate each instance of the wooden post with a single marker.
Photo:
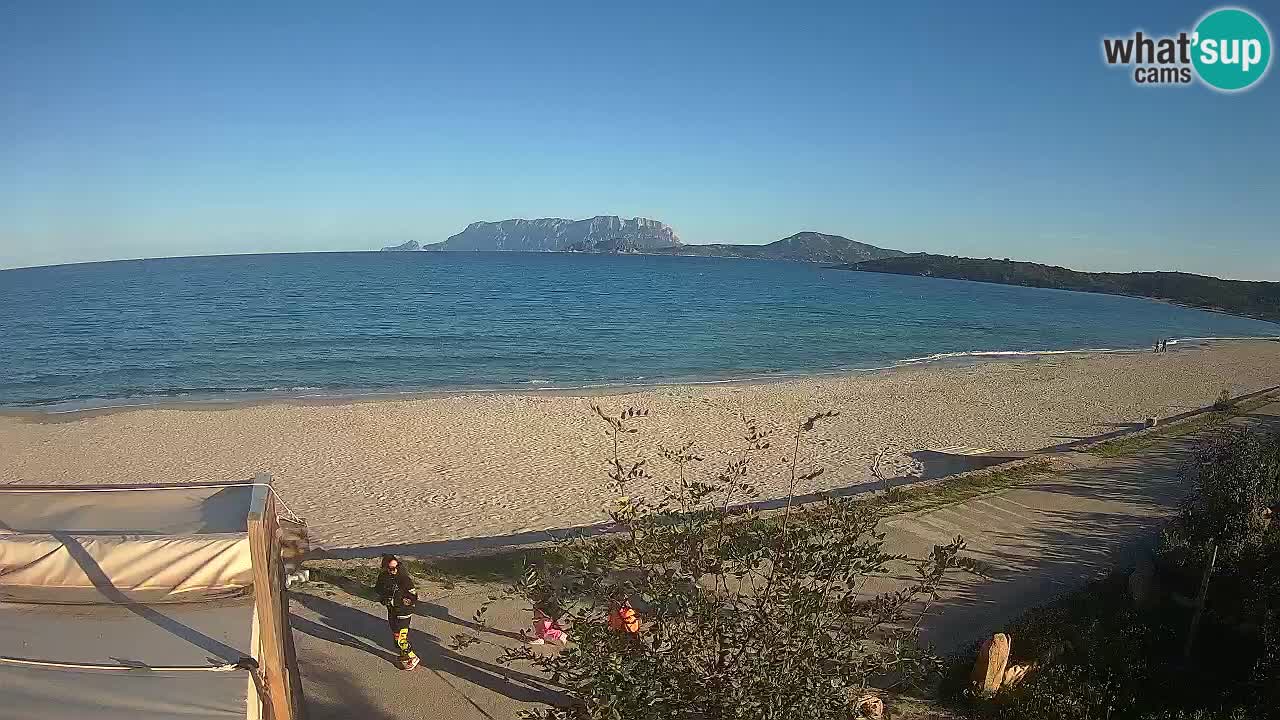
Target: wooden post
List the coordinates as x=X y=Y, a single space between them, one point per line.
x=1200 y=599
x=271 y=604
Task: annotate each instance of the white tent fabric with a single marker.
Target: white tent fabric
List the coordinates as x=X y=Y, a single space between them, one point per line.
x=193 y=635
x=41 y=694
x=135 y=510
x=131 y=578
x=63 y=568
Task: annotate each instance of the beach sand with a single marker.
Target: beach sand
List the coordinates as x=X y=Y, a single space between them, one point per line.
x=392 y=472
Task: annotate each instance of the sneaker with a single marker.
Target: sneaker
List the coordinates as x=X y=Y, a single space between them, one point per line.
x=410 y=663
x=537 y=641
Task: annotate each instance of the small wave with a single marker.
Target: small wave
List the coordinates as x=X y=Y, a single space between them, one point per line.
x=1012 y=353
x=169 y=396
x=1074 y=351
x=1175 y=341
x=100 y=407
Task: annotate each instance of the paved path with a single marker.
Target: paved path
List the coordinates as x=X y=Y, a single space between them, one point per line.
x=1044 y=538
x=348 y=666
x=1040 y=539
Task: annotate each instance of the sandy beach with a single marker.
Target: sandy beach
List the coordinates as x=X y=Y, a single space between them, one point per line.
x=485 y=464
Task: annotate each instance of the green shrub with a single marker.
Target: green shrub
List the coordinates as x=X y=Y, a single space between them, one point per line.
x=1223 y=402
x=1235 y=480
x=744 y=616
x=1098 y=657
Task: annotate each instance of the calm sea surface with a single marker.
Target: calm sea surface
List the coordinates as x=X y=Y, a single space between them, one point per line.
x=363 y=322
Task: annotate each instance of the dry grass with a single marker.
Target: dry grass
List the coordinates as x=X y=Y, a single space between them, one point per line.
x=959 y=488
x=1130 y=444
x=358 y=576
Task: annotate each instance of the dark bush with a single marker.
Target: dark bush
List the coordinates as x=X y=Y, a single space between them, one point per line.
x=1223 y=402
x=1098 y=657
x=1235 y=480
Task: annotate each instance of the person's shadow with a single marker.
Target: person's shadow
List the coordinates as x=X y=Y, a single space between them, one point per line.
x=425 y=607
x=360 y=630
x=440 y=612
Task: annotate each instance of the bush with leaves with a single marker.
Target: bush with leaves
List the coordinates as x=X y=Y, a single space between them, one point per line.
x=1235 y=482
x=1223 y=401
x=1099 y=657
x=1096 y=656
x=744 y=616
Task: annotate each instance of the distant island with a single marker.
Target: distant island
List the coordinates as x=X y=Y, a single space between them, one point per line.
x=561 y=235
x=403 y=247
x=613 y=235
x=1254 y=299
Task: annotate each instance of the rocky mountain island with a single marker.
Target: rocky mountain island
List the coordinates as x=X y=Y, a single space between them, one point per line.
x=610 y=234
x=603 y=233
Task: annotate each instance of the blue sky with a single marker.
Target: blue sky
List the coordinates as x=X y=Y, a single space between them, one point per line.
x=150 y=129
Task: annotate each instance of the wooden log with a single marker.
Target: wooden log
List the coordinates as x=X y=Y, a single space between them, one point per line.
x=988 y=670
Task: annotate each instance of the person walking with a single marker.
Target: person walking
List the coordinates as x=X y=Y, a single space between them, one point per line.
x=395 y=590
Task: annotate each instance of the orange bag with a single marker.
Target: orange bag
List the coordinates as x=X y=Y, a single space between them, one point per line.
x=623 y=619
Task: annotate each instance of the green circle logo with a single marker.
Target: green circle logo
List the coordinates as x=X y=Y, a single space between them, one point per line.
x=1231 y=49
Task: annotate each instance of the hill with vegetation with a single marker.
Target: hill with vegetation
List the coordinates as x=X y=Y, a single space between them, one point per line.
x=1254 y=299
x=801 y=247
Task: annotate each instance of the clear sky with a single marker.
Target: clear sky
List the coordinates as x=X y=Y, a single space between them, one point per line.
x=149 y=129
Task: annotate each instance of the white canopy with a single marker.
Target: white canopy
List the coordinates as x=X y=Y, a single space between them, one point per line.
x=138 y=603
x=194 y=635
x=92 y=545
x=127 y=509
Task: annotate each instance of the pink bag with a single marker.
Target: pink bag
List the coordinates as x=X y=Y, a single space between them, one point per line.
x=545 y=629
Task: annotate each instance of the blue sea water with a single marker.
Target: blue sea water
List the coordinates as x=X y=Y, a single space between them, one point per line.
x=338 y=323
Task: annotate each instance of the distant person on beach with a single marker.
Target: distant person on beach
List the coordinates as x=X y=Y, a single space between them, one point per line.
x=395 y=590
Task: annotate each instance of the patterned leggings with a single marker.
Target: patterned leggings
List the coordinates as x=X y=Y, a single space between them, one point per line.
x=400 y=631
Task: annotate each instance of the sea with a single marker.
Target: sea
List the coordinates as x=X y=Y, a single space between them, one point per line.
x=353 y=324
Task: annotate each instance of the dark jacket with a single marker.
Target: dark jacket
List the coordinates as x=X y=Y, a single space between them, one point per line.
x=397 y=593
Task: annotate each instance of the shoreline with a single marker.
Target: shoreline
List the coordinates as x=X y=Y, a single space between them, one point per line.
x=71 y=410
x=492 y=465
